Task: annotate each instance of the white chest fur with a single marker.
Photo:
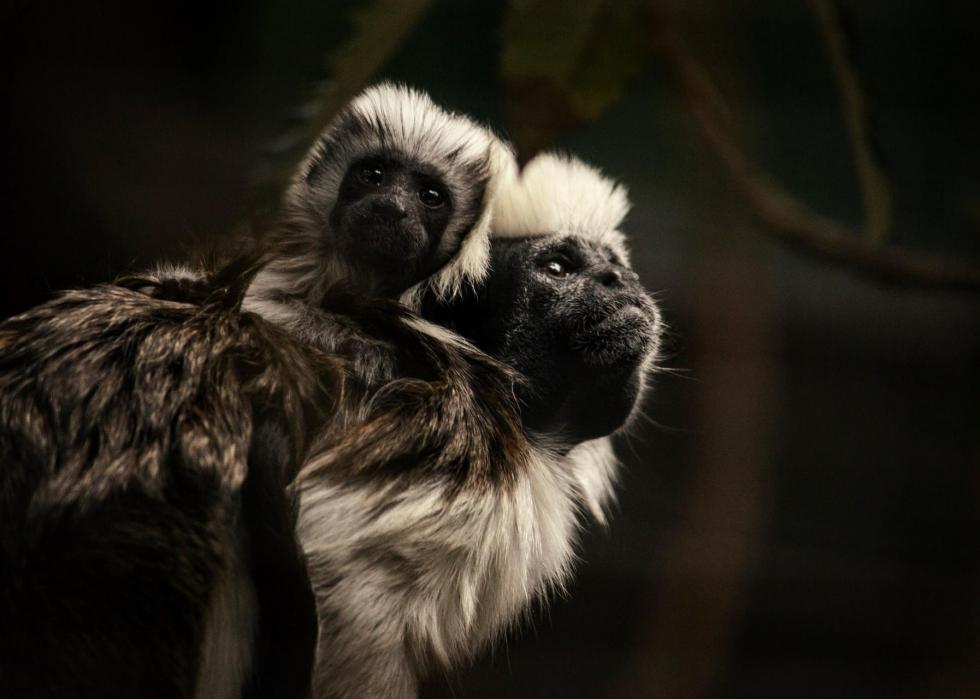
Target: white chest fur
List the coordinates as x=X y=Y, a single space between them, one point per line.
x=409 y=576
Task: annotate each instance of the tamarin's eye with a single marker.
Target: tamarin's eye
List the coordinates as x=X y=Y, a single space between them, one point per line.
x=556 y=268
x=432 y=197
x=372 y=175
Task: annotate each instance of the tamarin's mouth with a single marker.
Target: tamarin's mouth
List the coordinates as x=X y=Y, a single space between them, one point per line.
x=631 y=319
x=390 y=239
x=621 y=338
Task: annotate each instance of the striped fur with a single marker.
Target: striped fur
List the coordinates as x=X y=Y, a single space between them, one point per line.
x=138 y=500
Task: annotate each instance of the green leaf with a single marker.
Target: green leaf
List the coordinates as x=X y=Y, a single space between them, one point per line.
x=566 y=63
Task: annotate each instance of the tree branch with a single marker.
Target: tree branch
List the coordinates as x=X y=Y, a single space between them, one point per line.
x=779 y=212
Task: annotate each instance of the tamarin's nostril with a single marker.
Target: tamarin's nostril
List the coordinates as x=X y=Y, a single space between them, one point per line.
x=611 y=277
x=390 y=207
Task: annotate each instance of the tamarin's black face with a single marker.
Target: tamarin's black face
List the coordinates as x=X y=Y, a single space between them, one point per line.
x=390 y=217
x=573 y=318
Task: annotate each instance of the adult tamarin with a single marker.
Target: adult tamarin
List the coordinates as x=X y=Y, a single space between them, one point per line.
x=148 y=432
x=430 y=524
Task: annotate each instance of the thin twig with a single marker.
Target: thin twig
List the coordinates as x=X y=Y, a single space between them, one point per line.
x=875 y=193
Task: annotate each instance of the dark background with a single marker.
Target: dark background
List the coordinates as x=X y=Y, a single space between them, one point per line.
x=800 y=512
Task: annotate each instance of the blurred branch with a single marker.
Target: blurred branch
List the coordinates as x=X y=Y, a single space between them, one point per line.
x=686 y=649
x=874 y=187
x=379 y=31
x=777 y=210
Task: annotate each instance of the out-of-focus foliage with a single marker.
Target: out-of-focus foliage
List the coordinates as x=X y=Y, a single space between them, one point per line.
x=564 y=63
x=379 y=28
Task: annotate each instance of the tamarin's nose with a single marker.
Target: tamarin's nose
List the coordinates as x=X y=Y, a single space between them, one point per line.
x=610 y=276
x=389 y=207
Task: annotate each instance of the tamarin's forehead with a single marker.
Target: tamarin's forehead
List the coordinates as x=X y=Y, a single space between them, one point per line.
x=564 y=243
x=341 y=157
x=416 y=131
x=397 y=123
x=473 y=173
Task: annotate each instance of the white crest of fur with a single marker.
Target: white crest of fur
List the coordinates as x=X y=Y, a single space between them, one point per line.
x=558 y=194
